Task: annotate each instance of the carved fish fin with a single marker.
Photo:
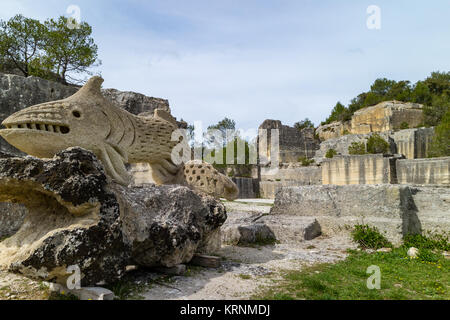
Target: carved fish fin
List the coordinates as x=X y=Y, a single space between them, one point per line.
x=160 y=174
x=162 y=114
x=92 y=87
x=114 y=162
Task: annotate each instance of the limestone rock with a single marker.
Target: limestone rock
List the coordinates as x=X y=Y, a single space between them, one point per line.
x=136 y=103
x=385 y=116
x=396 y=210
x=413 y=252
x=244 y=228
x=76 y=217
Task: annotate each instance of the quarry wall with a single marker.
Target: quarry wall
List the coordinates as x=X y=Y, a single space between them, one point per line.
x=424 y=171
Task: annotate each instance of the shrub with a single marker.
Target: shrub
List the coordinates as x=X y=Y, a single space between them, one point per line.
x=404 y=125
x=357 y=148
x=376 y=144
x=305 y=161
x=330 y=153
x=369 y=237
x=440 y=146
x=432 y=241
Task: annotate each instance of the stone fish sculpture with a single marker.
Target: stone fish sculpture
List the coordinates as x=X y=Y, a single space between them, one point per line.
x=88 y=120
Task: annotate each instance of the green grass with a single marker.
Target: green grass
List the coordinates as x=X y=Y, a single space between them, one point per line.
x=402 y=278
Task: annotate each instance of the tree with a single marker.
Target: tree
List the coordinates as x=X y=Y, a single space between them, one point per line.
x=304 y=124
x=339 y=113
x=357 y=148
x=330 y=153
x=21 y=41
x=440 y=146
x=376 y=144
x=69 y=50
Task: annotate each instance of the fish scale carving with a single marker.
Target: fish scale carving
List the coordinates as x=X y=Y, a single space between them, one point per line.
x=86 y=119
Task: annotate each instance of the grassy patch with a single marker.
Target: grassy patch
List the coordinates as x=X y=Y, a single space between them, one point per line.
x=127 y=289
x=245 y=276
x=402 y=278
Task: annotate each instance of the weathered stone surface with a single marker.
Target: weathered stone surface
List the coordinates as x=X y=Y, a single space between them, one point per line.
x=413 y=143
x=394 y=209
x=248 y=187
x=76 y=218
x=136 y=103
x=293 y=143
x=386 y=116
x=11 y=218
x=364 y=169
x=333 y=130
x=424 y=171
x=293 y=174
x=341 y=144
x=245 y=228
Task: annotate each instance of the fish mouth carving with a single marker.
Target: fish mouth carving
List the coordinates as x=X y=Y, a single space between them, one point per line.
x=37 y=126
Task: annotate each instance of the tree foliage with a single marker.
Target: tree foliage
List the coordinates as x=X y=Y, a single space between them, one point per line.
x=50 y=50
x=440 y=146
x=357 y=148
x=21 y=41
x=376 y=144
x=433 y=93
x=304 y=124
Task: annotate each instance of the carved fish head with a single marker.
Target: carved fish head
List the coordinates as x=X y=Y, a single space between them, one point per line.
x=45 y=129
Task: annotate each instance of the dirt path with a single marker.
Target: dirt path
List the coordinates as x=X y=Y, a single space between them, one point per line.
x=247 y=270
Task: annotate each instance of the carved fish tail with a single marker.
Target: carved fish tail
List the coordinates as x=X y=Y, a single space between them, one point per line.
x=202 y=176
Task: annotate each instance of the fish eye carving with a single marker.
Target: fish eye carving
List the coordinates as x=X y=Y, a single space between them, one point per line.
x=76 y=114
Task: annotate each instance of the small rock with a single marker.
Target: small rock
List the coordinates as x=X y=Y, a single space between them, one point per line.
x=413 y=252
x=384 y=250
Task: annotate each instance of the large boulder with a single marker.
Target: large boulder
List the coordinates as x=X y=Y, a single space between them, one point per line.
x=76 y=216
x=396 y=210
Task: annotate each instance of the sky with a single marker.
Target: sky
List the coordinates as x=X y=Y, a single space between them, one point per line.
x=251 y=60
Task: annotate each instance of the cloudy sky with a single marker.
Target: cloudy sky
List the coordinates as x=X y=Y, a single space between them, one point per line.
x=252 y=60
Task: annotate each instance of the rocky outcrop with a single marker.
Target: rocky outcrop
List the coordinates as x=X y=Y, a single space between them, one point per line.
x=411 y=143
x=136 y=103
x=396 y=210
x=385 y=116
x=293 y=143
x=76 y=216
x=17 y=93
x=333 y=130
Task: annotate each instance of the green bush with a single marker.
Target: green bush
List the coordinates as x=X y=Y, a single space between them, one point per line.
x=305 y=161
x=357 y=148
x=432 y=241
x=369 y=237
x=330 y=153
x=440 y=146
x=376 y=145
x=404 y=125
